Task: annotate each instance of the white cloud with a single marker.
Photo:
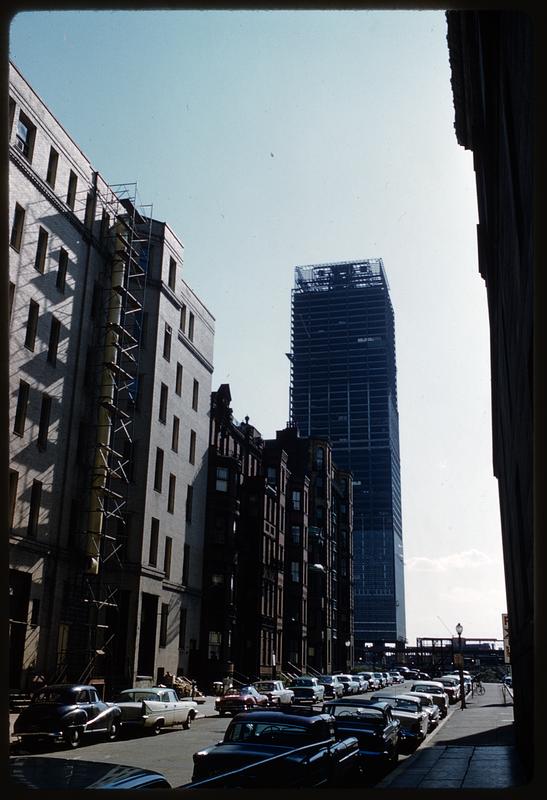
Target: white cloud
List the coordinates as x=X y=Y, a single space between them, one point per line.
x=468 y=559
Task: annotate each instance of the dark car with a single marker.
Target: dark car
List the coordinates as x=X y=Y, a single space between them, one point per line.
x=414 y=720
x=373 y=724
x=41 y=772
x=311 y=753
x=65 y=712
x=237 y=700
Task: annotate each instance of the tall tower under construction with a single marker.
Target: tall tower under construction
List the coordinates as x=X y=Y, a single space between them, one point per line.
x=343 y=386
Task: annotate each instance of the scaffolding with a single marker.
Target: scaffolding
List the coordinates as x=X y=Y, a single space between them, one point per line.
x=340 y=274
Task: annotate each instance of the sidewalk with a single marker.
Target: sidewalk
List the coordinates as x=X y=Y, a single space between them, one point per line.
x=473 y=748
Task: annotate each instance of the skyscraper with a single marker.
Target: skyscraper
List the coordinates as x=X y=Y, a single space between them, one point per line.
x=343 y=386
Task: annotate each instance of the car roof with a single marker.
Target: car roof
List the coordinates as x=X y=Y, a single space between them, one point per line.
x=45 y=772
x=358 y=703
x=297 y=715
x=65 y=687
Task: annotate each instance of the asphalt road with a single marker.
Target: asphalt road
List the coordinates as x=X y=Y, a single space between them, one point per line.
x=169 y=753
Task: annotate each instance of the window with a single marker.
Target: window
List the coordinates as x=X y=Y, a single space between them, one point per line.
x=191 y=327
x=32 y=324
x=105 y=225
x=182 y=629
x=189 y=502
x=52 y=167
x=163 y=404
x=11 y=297
x=167 y=556
x=171 y=494
x=222 y=479
x=154 y=537
x=21 y=410
x=17 y=227
x=43 y=429
x=35 y=612
x=62 y=270
x=186 y=564
x=182 y=324
x=271 y=476
x=41 y=250
x=295 y=571
x=34 y=511
x=195 y=395
x=215 y=641
x=175 y=435
x=13 y=481
x=158 y=472
x=53 y=341
x=295 y=534
x=319 y=457
x=296 y=500
x=192 y=453
x=24 y=136
x=163 y=624
x=178 y=380
x=89 y=210
x=172 y=273
x=71 y=193
x=167 y=342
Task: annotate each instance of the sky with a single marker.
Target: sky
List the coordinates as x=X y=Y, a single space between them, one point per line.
x=271 y=139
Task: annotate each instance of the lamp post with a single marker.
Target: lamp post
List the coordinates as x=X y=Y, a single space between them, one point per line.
x=459 y=631
x=348 y=645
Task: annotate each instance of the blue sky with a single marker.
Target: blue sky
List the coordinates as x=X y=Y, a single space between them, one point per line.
x=270 y=139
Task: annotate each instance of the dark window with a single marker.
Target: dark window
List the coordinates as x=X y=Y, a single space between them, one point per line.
x=158 y=472
x=171 y=494
x=163 y=403
x=182 y=629
x=11 y=297
x=189 y=502
x=167 y=343
x=167 y=556
x=172 y=273
x=295 y=534
x=21 y=410
x=195 y=395
x=192 y=453
x=62 y=270
x=13 y=481
x=53 y=341
x=35 y=612
x=17 y=227
x=43 y=429
x=154 y=537
x=175 y=435
x=186 y=564
x=71 y=193
x=52 y=167
x=296 y=500
x=34 y=511
x=32 y=324
x=24 y=136
x=41 y=250
x=105 y=225
x=191 y=327
x=89 y=210
x=178 y=380
x=182 y=324
x=163 y=624
x=222 y=479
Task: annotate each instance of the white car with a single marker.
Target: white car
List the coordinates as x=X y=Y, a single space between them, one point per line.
x=276 y=692
x=155 y=708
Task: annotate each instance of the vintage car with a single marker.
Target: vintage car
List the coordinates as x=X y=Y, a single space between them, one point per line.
x=307 y=690
x=437 y=692
x=243 y=699
x=414 y=720
x=374 y=726
x=373 y=682
x=427 y=704
x=380 y=678
x=276 y=692
x=332 y=685
x=155 y=708
x=41 y=772
x=297 y=749
x=360 y=683
x=350 y=687
x=65 y=712
x=451 y=686
x=396 y=676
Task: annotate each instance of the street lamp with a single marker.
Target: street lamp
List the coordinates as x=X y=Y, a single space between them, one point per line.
x=459 y=631
x=348 y=645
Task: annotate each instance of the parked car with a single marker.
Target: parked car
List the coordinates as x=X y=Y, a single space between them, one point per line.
x=260 y=735
x=396 y=676
x=437 y=692
x=467 y=680
x=66 y=712
x=373 y=682
x=388 y=678
x=413 y=720
x=307 y=690
x=373 y=724
x=380 y=678
x=276 y=692
x=427 y=704
x=360 y=683
x=451 y=686
x=423 y=676
x=235 y=700
x=155 y=708
x=332 y=685
x=43 y=772
x=348 y=684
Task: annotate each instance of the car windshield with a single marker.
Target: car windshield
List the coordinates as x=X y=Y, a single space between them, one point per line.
x=406 y=705
x=326 y=679
x=268 y=733
x=426 y=687
x=356 y=713
x=55 y=696
x=136 y=696
x=265 y=687
x=302 y=682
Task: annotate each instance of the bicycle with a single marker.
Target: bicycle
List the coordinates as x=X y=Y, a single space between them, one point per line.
x=479 y=688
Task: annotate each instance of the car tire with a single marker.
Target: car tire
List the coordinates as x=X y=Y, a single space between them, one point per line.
x=113 y=731
x=73 y=737
x=189 y=720
x=157 y=727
